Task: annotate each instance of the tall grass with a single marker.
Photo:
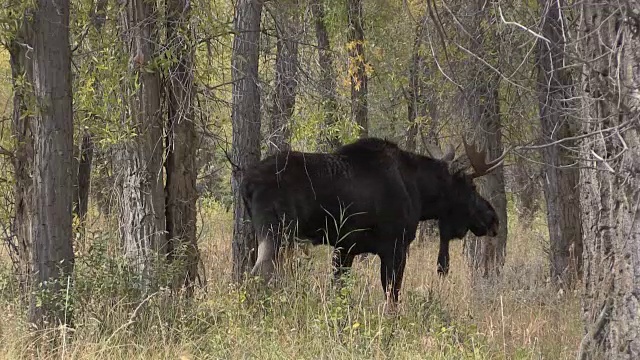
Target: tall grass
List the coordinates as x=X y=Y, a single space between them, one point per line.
x=519 y=316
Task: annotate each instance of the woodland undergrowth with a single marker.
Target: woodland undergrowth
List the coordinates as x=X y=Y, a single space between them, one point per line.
x=517 y=316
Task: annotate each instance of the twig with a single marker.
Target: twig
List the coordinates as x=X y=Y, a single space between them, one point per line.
x=597 y=326
x=572 y=138
x=132 y=317
x=84 y=33
x=216 y=87
x=235 y=166
x=521 y=26
x=604 y=162
x=493 y=68
x=5 y=152
x=442 y=38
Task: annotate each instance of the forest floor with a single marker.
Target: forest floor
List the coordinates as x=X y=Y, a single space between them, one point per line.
x=521 y=316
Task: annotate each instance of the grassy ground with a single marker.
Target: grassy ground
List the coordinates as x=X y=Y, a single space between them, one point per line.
x=518 y=317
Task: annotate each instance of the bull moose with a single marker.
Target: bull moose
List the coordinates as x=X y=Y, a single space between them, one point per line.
x=365 y=197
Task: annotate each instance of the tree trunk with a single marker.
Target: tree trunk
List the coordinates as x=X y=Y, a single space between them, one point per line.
x=83 y=183
x=139 y=160
x=287 y=29
x=610 y=181
x=486 y=254
x=420 y=100
x=245 y=118
x=84 y=160
x=329 y=140
x=181 y=147
x=525 y=189
x=560 y=179
x=357 y=66
x=53 y=257
x=98 y=14
x=415 y=95
x=22 y=79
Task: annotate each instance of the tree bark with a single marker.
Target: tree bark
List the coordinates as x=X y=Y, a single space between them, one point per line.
x=53 y=258
x=560 y=178
x=357 y=66
x=84 y=160
x=415 y=95
x=286 y=82
x=245 y=119
x=526 y=189
x=83 y=183
x=98 y=14
x=22 y=160
x=486 y=254
x=610 y=181
x=419 y=102
x=181 y=147
x=329 y=140
x=139 y=160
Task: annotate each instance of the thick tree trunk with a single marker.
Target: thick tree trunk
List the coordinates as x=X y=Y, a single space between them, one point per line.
x=181 y=147
x=245 y=118
x=357 y=66
x=418 y=99
x=486 y=254
x=610 y=181
x=286 y=82
x=53 y=258
x=560 y=179
x=22 y=79
x=328 y=139
x=139 y=161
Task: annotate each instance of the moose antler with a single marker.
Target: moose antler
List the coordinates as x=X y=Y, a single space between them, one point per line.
x=478 y=159
x=435 y=152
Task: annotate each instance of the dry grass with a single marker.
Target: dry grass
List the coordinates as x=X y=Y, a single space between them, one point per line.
x=302 y=316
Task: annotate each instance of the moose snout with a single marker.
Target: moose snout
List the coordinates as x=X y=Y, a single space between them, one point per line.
x=493 y=229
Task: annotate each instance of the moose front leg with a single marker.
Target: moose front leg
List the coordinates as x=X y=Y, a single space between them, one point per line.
x=443 y=257
x=392 y=266
x=267 y=256
x=446 y=235
x=342 y=261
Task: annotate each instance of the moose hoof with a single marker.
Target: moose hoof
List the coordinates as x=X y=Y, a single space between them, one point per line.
x=264 y=270
x=390 y=308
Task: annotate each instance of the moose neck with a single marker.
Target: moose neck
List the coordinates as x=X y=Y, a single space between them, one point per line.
x=434 y=184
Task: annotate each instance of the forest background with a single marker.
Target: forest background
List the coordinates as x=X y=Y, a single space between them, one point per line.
x=125 y=126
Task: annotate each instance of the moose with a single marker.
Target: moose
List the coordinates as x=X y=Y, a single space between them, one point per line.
x=365 y=197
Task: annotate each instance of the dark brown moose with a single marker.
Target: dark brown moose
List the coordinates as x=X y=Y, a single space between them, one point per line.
x=366 y=197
